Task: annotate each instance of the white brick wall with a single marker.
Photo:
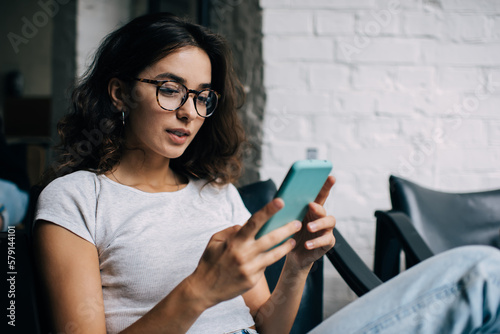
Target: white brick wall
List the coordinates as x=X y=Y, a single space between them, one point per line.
x=95 y=20
x=408 y=87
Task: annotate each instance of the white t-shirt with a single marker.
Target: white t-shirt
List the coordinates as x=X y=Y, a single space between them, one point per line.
x=147 y=242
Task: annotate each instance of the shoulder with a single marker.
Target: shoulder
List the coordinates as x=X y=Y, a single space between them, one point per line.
x=70 y=201
x=76 y=184
x=77 y=179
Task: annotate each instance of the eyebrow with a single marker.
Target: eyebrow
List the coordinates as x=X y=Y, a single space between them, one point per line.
x=167 y=76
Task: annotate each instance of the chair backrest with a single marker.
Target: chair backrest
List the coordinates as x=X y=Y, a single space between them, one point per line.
x=310 y=313
x=448 y=220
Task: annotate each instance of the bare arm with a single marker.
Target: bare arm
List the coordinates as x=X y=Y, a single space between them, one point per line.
x=69 y=269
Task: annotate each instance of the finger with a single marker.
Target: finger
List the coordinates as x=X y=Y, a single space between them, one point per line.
x=325 y=223
x=277 y=236
x=258 y=219
x=217 y=243
x=227 y=232
x=316 y=211
x=277 y=253
x=325 y=190
x=325 y=241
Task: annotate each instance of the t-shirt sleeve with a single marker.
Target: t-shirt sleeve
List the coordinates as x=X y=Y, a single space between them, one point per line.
x=239 y=210
x=70 y=202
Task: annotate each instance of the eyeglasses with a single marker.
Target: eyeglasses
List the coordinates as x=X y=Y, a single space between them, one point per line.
x=171 y=95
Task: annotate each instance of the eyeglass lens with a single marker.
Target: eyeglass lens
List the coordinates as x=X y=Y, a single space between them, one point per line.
x=172 y=94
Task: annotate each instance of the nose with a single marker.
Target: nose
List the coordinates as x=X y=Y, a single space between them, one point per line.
x=188 y=111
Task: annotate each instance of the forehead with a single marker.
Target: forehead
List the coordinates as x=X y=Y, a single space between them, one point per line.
x=191 y=64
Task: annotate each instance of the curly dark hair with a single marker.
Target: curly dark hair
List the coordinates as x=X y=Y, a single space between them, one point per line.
x=92 y=136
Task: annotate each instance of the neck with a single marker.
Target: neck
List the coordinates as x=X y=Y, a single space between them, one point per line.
x=145 y=172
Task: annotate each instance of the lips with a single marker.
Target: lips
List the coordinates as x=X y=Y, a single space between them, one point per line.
x=179 y=132
x=178 y=136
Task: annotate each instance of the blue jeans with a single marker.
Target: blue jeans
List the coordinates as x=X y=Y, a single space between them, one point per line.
x=15 y=202
x=457 y=291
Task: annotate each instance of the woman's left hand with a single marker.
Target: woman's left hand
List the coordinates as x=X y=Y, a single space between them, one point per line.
x=316 y=236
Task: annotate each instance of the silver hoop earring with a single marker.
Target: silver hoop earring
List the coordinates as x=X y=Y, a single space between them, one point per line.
x=123 y=118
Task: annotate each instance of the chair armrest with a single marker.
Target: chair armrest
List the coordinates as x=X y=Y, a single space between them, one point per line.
x=350 y=266
x=399 y=224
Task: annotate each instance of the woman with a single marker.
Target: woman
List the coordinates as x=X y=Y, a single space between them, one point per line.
x=142 y=231
x=123 y=239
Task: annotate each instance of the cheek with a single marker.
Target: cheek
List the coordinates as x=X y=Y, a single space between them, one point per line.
x=143 y=122
x=139 y=96
x=147 y=113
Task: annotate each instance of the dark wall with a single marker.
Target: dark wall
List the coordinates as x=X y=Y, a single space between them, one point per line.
x=240 y=21
x=63 y=63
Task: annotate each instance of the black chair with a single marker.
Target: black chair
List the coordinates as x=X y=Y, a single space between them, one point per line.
x=424 y=222
x=350 y=266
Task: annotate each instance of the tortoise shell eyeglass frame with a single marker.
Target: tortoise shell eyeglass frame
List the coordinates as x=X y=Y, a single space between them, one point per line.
x=159 y=83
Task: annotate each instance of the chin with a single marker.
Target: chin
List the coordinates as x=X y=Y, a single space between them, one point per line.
x=174 y=154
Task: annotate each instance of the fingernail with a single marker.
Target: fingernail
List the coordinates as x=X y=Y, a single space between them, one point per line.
x=298 y=225
x=313 y=227
x=278 y=204
x=293 y=242
x=309 y=244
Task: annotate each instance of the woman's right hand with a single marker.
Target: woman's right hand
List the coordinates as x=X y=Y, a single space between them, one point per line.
x=233 y=261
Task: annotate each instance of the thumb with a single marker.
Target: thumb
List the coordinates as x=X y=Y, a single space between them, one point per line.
x=316 y=211
x=217 y=243
x=225 y=233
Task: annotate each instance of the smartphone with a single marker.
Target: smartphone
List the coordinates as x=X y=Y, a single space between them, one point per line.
x=300 y=187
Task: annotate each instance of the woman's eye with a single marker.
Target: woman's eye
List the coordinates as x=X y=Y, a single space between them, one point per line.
x=202 y=99
x=169 y=91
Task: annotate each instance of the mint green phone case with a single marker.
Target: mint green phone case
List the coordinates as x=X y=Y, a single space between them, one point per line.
x=301 y=185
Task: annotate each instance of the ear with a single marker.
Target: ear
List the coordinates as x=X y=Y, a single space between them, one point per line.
x=116 y=91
